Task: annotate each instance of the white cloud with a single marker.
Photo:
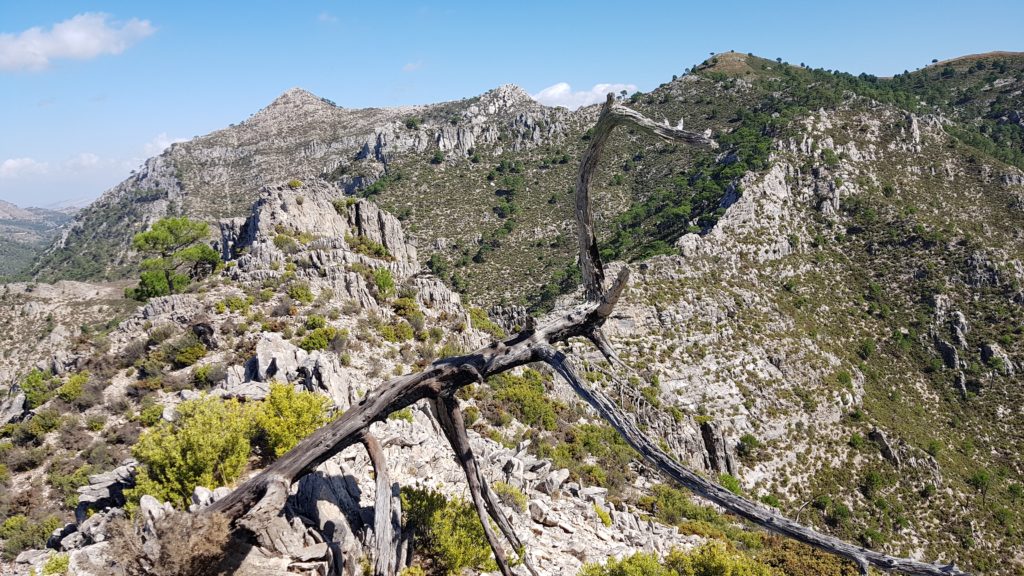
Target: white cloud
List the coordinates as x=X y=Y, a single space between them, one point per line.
x=82 y=161
x=562 y=94
x=327 y=17
x=82 y=37
x=160 y=143
x=412 y=66
x=18 y=167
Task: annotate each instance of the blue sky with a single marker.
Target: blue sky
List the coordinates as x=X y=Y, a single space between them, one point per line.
x=88 y=90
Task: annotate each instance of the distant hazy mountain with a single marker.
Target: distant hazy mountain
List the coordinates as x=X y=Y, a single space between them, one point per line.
x=24 y=233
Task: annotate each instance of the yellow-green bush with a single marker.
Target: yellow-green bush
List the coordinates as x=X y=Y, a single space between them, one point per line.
x=447 y=531
x=56 y=565
x=38 y=388
x=318 y=339
x=207 y=445
x=211 y=440
x=22 y=533
x=526 y=397
x=711 y=559
x=287 y=416
x=481 y=321
x=73 y=388
x=510 y=495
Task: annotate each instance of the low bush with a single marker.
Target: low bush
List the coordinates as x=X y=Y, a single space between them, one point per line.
x=288 y=416
x=318 y=339
x=482 y=322
x=510 y=496
x=448 y=532
x=38 y=387
x=72 y=390
x=711 y=559
x=207 y=445
x=300 y=292
x=56 y=565
x=210 y=441
x=526 y=397
x=22 y=533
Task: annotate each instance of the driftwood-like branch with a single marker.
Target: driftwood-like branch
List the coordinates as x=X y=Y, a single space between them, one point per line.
x=452 y=423
x=612 y=115
x=250 y=504
x=385 y=543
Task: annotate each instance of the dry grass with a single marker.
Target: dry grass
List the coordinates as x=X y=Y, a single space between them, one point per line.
x=183 y=545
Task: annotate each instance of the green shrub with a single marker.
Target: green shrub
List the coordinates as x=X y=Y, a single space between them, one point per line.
x=318 y=339
x=448 y=532
x=866 y=348
x=748 y=445
x=593 y=453
x=730 y=483
x=673 y=506
x=207 y=445
x=286 y=416
x=711 y=559
x=526 y=397
x=73 y=388
x=294 y=184
x=481 y=321
x=384 y=282
x=856 y=441
x=300 y=291
x=364 y=245
x=286 y=244
x=603 y=515
x=38 y=387
x=21 y=533
x=66 y=480
x=510 y=495
x=96 y=422
x=189 y=355
x=237 y=303
x=209 y=374
x=314 y=321
x=56 y=565
x=403 y=414
x=151 y=415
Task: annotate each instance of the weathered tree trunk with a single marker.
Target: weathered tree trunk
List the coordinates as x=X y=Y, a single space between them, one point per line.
x=250 y=504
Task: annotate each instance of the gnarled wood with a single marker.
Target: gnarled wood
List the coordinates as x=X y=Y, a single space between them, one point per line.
x=385 y=544
x=612 y=115
x=534 y=344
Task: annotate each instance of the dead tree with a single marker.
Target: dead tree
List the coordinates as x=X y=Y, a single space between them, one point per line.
x=257 y=501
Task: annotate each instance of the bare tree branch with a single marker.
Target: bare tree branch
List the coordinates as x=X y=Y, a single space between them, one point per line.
x=612 y=115
x=383 y=528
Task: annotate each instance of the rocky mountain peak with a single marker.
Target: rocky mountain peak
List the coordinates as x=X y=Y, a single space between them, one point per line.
x=506 y=97
x=295 y=101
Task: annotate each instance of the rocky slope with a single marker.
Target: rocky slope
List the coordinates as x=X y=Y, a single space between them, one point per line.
x=297 y=241
x=826 y=313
